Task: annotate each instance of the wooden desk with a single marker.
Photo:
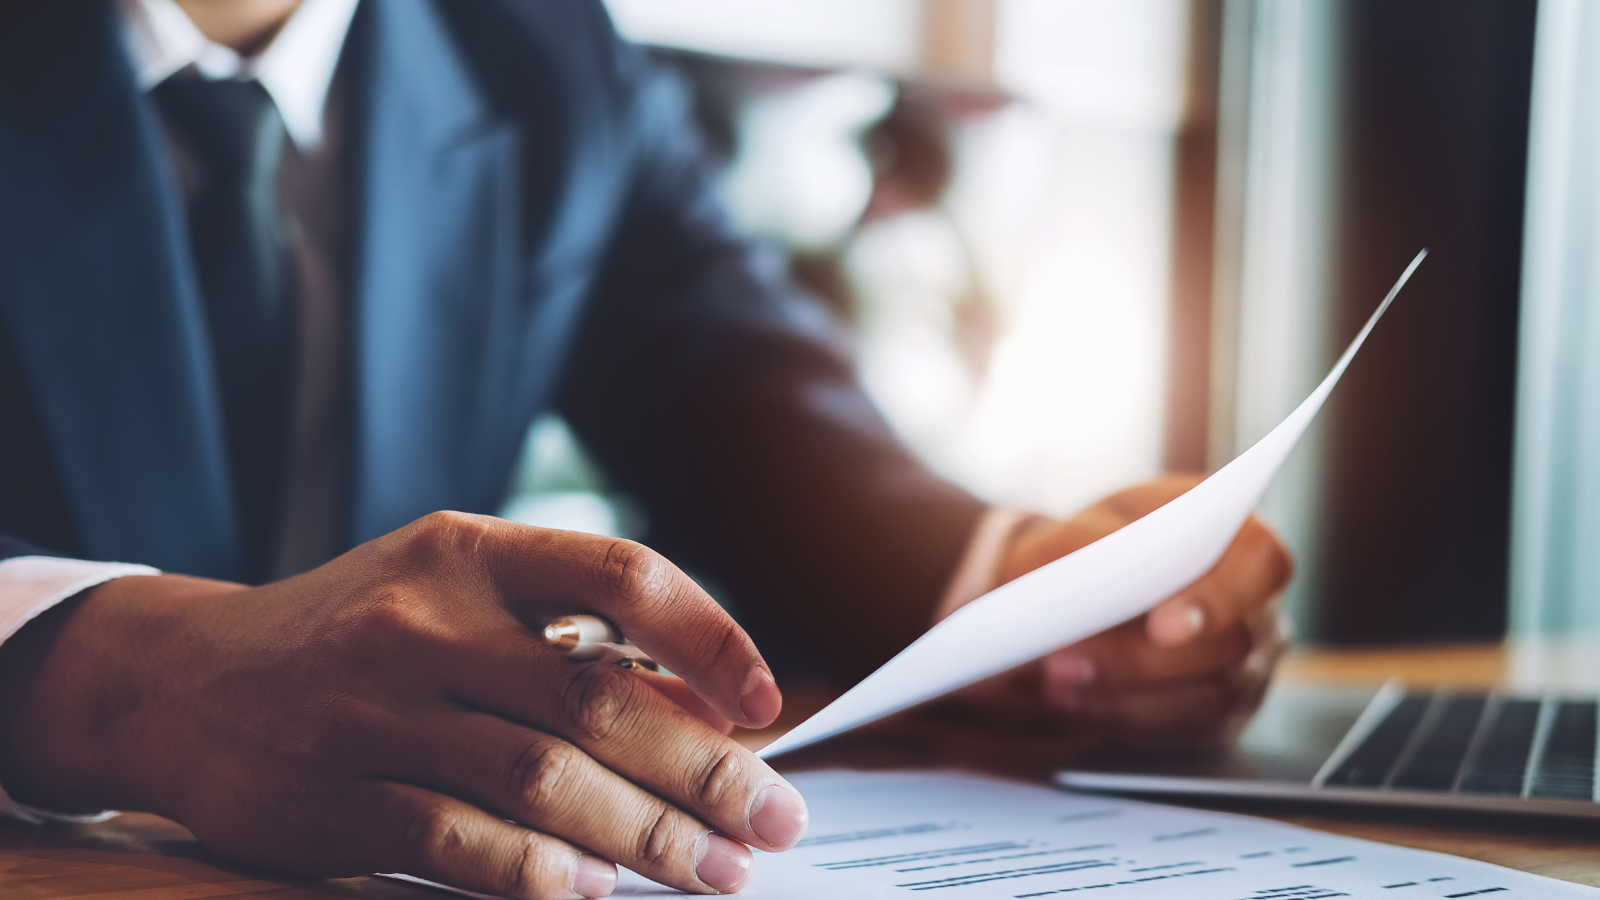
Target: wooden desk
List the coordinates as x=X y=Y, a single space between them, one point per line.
x=151 y=858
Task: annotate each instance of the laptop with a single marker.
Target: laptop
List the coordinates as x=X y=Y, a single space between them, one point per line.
x=1446 y=749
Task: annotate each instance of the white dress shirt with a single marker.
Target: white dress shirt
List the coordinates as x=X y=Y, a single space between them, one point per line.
x=297 y=70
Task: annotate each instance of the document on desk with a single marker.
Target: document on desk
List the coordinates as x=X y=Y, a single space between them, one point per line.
x=1118 y=577
x=960 y=837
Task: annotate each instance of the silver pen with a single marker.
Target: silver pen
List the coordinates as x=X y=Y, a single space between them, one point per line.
x=585 y=637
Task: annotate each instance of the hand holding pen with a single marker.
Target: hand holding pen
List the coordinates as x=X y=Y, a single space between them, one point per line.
x=585 y=638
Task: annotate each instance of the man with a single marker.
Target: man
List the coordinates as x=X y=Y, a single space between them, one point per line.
x=278 y=282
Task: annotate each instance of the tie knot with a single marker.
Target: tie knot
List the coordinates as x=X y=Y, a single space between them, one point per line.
x=233 y=125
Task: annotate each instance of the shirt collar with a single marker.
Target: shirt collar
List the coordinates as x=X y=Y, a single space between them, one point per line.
x=295 y=69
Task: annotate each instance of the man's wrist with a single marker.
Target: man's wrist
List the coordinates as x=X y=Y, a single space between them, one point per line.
x=979 y=570
x=31 y=587
x=79 y=689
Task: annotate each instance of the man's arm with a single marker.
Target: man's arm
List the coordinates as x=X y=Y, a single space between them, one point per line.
x=724 y=398
x=395 y=710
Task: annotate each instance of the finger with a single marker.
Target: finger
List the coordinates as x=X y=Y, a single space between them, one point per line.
x=1269 y=640
x=1125 y=656
x=619 y=719
x=1251 y=572
x=1183 y=716
x=678 y=691
x=543 y=573
x=1142 y=499
x=412 y=831
x=556 y=788
x=1194 y=713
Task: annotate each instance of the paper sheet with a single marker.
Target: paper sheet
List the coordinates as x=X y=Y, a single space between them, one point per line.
x=1108 y=582
x=960 y=837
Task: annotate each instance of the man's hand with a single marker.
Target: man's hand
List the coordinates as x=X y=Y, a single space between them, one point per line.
x=1185 y=676
x=396 y=711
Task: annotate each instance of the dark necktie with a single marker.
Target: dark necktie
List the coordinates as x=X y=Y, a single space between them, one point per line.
x=241 y=255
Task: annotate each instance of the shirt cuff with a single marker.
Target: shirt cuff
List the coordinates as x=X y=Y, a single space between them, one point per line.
x=30 y=585
x=978 y=570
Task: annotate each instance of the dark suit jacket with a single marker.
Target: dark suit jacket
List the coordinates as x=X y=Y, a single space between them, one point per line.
x=535 y=228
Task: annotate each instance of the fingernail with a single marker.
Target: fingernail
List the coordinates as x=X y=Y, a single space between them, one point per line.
x=778 y=816
x=721 y=864
x=1176 y=624
x=593 y=877
x=760 y=701
x=1070 y=669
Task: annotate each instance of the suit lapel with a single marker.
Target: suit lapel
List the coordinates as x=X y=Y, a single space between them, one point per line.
x=97 y=293
x=437 y=279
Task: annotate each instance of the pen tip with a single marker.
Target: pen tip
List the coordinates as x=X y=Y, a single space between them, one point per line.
x=562 y=634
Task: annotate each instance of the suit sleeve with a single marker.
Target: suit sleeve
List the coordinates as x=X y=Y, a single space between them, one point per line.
x=14 y=546
x=725 y=399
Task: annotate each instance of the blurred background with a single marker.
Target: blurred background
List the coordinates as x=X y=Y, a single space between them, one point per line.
x=1080 y=243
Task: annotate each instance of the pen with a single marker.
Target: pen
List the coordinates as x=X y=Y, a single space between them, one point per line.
x=591 y=637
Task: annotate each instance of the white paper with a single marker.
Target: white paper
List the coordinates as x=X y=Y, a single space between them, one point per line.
x=961 y=837
x=1118 y=577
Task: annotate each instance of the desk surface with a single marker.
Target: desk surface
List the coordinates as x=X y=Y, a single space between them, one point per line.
x=155 y=859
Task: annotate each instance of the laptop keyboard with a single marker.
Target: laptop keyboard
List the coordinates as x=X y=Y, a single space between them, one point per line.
x=1475 y=744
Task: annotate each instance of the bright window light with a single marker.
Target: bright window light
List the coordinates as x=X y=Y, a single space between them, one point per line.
x=882 y=35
